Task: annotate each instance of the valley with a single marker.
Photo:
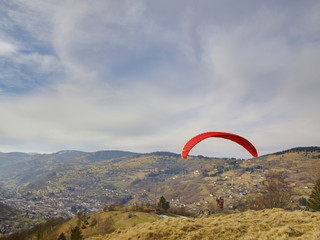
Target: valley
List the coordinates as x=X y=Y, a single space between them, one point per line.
x=68 y=182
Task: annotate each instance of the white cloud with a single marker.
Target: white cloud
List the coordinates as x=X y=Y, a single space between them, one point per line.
x=7 y=48
x=132 y=76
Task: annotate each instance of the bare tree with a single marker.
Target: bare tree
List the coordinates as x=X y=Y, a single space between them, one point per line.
x=277 y=192
x=314 y=172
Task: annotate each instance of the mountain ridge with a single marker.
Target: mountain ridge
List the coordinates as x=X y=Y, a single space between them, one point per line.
x=63 y=152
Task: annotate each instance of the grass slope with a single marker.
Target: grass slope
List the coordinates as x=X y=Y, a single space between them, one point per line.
x=264 y=224
x=99 y=223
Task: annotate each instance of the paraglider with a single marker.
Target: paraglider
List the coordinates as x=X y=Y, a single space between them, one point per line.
x=220 y=202
x=233 y=137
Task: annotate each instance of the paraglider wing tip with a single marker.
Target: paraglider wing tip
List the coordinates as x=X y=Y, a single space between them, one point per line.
x=253 y=151
x=184 y=153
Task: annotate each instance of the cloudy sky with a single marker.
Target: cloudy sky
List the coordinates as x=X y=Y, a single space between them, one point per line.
x=147 y=75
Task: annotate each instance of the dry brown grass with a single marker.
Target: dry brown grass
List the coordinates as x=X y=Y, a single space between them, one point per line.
x=100 y=223
x=264 y=224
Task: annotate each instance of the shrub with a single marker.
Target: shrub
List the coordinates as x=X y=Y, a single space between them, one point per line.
x=76 y=233
x=163 y=204
x=314 y=199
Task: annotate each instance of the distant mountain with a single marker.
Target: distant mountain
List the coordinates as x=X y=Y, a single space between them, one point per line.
x=18 y=165
x=298 y=149
x=12 y=156
x=106 y=155
x=165 y=154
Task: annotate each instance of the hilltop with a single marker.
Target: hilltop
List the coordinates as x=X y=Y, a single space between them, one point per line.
x=264 y=224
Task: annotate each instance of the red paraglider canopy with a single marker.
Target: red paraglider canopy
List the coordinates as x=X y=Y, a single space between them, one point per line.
x=240 y=140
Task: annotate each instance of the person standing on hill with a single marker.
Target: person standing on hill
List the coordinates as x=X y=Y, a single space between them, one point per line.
x=220 y=202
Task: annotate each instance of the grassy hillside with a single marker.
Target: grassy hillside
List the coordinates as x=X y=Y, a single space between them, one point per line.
x=142 y=223
x=264 y=224
x=100 y=223
x=93 y=224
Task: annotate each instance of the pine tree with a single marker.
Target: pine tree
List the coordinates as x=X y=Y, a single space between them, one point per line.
x=163 y=204
x=76 y=233
x=62 y=237
x=314 y=199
